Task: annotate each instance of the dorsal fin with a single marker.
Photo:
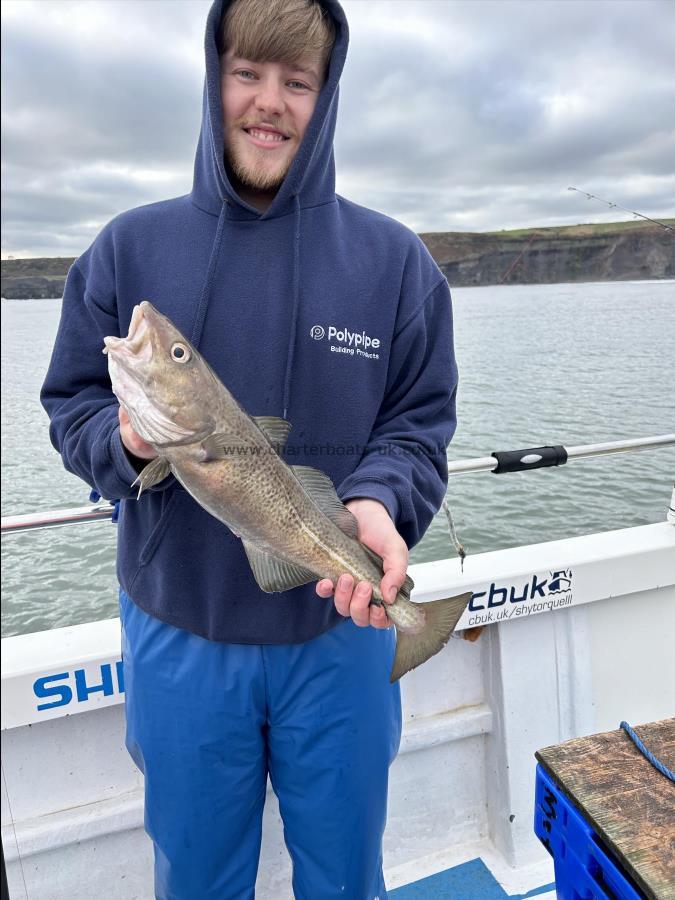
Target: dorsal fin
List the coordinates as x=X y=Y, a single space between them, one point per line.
x=275 y=430
x=320 y=488
x=407 y=586
x=376 y=558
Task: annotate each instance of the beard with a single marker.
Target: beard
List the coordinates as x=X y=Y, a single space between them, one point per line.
x=251 y=165
x=255 y=173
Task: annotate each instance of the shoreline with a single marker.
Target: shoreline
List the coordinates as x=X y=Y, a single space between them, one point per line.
x=571 y=254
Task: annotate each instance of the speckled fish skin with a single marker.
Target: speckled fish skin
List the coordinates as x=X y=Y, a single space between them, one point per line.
x=294 y=528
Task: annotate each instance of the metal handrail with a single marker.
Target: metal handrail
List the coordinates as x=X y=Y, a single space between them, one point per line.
x=55 y=518
x=527 y=459
x=582 y=451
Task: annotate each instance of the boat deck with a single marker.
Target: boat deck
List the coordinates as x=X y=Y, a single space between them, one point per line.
x=461 y=799
x=470 y=881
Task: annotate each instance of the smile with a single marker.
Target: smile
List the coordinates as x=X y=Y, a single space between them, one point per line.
x=265 y=138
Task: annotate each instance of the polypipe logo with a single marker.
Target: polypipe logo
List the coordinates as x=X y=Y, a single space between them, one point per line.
x=537 y=594
x=342 y=340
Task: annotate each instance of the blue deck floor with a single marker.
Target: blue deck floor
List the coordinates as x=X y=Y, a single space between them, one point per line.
x=470 y=881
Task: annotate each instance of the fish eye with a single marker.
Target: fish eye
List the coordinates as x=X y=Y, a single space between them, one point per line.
x=179 y=352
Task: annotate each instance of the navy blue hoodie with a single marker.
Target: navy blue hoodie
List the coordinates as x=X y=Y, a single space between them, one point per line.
x=318 y=310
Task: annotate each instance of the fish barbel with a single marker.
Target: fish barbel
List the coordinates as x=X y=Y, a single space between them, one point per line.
x=290 y=520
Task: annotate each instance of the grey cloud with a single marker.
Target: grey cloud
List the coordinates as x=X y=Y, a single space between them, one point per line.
x=494 y=127
x=65 y=108
x=459 y=115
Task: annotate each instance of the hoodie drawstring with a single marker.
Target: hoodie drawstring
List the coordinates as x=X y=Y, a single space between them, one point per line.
x=296 y=306
x=202 y=306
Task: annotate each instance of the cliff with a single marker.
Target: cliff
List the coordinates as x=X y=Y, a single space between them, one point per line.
x=35 y=278
x=616 y=251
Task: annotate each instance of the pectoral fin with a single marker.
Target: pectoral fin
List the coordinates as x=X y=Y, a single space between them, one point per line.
x=273 y=574
x=152 y=474
x=222 y=446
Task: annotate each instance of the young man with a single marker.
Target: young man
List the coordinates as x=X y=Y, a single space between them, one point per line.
x=311 y=308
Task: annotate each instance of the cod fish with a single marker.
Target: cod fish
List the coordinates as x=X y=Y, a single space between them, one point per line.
x=292 y=525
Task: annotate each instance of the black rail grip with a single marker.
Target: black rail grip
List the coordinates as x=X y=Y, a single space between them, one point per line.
x=531 y=458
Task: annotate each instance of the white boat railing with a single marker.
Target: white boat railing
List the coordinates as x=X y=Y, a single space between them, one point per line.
x=498 y=463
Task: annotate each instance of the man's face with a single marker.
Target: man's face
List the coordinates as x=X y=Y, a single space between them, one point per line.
x=266 y=109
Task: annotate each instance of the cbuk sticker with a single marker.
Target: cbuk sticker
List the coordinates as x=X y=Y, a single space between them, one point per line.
x=540 y=593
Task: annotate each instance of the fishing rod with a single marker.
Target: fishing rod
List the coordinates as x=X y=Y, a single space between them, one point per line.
x=499 y=463
x=618 y=206
x=518 y=258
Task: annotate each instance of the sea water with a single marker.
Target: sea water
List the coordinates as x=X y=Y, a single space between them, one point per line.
x=539 y=364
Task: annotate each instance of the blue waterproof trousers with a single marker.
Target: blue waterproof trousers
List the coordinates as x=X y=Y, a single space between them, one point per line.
x=208 y=721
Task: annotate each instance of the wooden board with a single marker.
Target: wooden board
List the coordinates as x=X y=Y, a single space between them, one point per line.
x=629 y=803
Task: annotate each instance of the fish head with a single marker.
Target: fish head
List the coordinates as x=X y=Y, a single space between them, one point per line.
x=166 y=386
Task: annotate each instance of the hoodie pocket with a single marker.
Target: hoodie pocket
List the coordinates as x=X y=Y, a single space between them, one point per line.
x=153 y=541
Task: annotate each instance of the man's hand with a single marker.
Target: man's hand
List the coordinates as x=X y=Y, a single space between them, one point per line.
x=134 y=444
x=377 y=531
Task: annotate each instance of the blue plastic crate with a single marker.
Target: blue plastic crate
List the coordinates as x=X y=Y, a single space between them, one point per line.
x=584 y=870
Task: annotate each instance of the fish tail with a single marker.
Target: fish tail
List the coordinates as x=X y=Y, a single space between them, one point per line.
x=440 y=618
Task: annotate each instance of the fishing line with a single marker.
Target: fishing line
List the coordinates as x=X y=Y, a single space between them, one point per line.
x=459 y=547
x=16 y=841
x=617 y=206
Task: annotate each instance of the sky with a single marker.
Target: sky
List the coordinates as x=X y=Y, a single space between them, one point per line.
x=455 y=115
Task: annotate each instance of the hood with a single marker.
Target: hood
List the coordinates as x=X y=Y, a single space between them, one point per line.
x=311 y=177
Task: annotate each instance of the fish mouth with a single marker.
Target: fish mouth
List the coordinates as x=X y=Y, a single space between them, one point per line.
x=137 y=345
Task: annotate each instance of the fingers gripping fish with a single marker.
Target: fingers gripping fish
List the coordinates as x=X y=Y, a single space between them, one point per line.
x=290 y=520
